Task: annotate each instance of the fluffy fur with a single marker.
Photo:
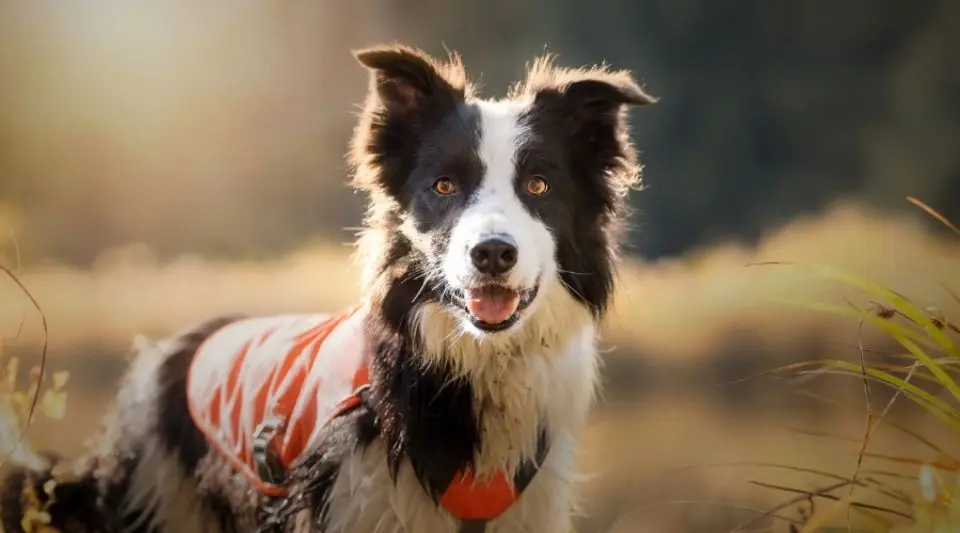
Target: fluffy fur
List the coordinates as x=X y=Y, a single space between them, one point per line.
x=448 y=390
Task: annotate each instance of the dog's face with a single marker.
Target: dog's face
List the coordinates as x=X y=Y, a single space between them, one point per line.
x=494 y=204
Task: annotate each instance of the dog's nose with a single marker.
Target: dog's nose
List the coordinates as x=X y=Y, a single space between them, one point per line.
x=495 y=255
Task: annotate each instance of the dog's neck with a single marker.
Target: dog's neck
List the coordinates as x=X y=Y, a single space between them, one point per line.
x=449 y=400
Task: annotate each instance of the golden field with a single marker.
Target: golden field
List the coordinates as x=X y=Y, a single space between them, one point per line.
x=680 y=333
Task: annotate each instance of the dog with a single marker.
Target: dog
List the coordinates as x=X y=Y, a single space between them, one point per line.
x=453 y=397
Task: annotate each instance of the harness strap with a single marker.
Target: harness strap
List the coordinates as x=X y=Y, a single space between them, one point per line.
x=525 y=474
x=270 y=466
x=529 y=468
x=473 y=526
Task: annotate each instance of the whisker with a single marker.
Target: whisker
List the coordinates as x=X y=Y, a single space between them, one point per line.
x=575 y=273
x=571 y=289
x=419 y=292
x=451 y=334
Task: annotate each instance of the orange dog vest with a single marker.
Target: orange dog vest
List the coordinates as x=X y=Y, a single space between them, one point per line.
x=302 y=370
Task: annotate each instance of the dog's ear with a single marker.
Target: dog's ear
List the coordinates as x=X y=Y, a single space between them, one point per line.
x=588 y=106
x=606 y=91
x=409 y=90
x=589 y=98
x=408 y=82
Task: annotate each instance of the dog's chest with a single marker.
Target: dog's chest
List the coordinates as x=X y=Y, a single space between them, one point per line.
x=521 y=402
x=366 y=499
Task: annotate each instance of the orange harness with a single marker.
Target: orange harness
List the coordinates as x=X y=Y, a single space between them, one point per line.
x=284 y=378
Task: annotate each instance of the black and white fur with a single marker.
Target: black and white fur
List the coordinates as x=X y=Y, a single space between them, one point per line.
x=447 y=391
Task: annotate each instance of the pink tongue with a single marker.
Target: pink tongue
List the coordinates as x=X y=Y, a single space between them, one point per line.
x=493 y=305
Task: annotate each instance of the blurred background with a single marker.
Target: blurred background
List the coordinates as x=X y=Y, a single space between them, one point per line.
x=164 y=161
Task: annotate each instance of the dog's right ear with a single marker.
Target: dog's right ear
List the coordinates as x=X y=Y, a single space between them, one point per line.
x=410 y=83
x=409 y=90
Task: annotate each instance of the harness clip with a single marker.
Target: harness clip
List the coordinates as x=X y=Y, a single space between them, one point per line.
x=266 y=458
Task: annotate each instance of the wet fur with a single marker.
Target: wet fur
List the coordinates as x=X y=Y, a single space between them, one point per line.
x=443 y=397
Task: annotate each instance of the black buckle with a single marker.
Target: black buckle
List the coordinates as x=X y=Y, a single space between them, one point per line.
x=265 y=457
x=270 y=469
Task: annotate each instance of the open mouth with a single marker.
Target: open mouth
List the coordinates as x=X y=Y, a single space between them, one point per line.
x=495 y=307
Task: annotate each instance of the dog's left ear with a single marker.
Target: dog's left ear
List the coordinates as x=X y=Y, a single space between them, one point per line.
x=588 y=106
x=610 y=92
x=592 y=101
x=587 y=97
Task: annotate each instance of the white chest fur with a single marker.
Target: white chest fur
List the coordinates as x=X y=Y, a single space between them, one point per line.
x=550 y=383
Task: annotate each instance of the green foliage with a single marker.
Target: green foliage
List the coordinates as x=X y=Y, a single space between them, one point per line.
x=930 y=378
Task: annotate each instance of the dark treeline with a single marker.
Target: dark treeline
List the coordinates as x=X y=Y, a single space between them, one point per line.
x=768 y=110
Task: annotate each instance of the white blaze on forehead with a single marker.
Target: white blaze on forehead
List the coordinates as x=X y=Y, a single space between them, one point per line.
x=501 y=136
x=495 y=207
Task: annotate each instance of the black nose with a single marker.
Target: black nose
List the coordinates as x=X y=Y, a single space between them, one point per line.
x=494 y=256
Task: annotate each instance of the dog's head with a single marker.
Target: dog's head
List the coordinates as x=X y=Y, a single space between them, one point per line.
x=487 y=207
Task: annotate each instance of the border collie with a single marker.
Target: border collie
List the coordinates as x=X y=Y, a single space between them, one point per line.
x=489 y=246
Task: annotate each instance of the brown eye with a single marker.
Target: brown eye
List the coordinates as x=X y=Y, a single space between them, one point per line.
x=537 y=186
x=444 y=186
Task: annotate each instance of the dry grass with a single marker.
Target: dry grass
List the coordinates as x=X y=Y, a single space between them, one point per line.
x=678 y=310
x=17 y=410
x=672 y=311
x=925 y=374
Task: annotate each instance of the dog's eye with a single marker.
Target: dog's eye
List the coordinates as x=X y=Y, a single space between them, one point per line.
x=444 y=186
x=537 y=186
